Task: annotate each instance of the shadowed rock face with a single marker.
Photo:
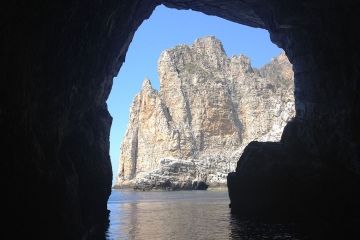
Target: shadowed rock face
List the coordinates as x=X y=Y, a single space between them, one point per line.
x=208 y=108
x=58 y=61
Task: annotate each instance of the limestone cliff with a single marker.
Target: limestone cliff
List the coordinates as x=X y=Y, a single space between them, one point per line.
x=208 y=109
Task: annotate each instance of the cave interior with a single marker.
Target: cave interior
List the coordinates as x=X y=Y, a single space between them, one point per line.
x=58 y=63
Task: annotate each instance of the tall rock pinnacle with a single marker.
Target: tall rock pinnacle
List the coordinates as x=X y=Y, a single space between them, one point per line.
x=208 y=108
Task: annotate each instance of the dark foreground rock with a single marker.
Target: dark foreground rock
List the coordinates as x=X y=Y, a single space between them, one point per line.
x=273 y=182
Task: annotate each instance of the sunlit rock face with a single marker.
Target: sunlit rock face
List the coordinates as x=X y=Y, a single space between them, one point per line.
x=208 y=108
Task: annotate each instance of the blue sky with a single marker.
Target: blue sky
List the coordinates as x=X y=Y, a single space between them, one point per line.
x=167 y=28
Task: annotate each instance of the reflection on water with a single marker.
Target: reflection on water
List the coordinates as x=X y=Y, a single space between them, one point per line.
x=255 y=230
x=183 y=215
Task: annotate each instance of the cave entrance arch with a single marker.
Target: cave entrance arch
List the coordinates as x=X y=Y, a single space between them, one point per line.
x=59 y=120
x=268 y=86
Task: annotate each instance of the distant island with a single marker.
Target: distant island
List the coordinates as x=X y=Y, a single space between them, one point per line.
x=191 y=133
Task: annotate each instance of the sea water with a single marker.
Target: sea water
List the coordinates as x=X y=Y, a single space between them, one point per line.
x=184 y=215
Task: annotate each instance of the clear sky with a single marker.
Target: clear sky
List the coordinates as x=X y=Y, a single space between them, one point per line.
x=165 y=29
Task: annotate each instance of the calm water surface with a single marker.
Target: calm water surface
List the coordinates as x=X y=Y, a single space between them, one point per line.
x=183 y=215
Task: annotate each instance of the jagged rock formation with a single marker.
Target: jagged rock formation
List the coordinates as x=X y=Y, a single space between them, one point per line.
x=208 y=108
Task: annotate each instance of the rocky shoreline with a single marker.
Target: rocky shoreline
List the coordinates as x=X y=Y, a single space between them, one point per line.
x=222 y=187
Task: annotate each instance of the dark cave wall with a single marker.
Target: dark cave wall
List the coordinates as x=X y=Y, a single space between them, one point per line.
x=58 y=61
x=324 y=53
